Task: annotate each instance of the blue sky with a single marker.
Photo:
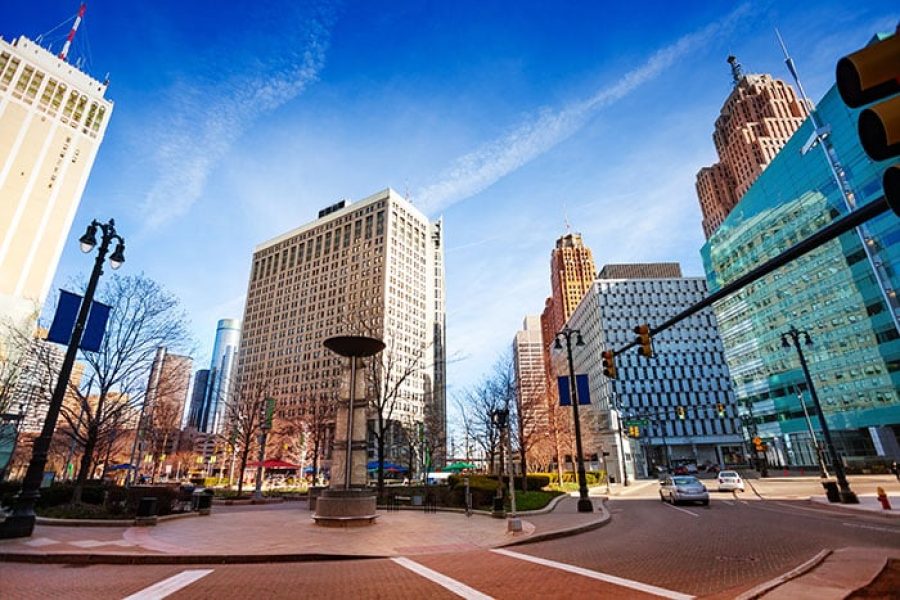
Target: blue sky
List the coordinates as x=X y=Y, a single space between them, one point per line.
x=235 y=122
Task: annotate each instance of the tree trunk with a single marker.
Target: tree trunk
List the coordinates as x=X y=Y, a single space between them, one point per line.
x=245 y=453
x=524 y=462
x=85 y=466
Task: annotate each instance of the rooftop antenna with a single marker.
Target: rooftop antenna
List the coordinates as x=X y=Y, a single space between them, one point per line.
x=566 y=219
x=736 y=71
x=65 y=51
x=821 y=136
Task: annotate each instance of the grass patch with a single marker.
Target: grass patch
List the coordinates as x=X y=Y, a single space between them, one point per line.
x=534 y=500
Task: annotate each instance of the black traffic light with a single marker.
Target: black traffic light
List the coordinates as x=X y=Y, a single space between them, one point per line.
x=609 y=364
x=720 y=408
x=869 y=75
x=679 y=410
x=645 y=344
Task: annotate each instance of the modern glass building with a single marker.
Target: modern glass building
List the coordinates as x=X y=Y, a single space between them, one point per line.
x=832 y=293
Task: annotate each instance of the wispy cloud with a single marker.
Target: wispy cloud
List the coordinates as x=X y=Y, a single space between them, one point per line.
x=205 y=120
x=481 y=168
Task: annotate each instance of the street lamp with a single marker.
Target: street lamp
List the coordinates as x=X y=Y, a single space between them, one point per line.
x=793 y=335
x=21 y=522
x=584 y=503
x=617 y=404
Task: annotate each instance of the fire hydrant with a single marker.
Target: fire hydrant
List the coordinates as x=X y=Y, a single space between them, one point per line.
x=882 y=497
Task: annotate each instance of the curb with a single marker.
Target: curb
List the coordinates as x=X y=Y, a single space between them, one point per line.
x=170 y=559
x=844 y=510
x=604 y=519
x=768 y=586
x=51 y=522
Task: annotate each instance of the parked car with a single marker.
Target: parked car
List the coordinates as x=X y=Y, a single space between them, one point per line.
x=683 y=488
x=729 y=481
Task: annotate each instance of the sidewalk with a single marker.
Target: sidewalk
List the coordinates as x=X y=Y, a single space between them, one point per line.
x=286 y=532
x=868 y=503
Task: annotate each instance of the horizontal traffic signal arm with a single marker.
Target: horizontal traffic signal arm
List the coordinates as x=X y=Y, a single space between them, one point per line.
x=836 y=228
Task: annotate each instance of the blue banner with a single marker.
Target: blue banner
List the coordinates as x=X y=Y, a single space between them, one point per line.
x=64 y=319
x=583 y=389
x=66 y=315
x=96 y=327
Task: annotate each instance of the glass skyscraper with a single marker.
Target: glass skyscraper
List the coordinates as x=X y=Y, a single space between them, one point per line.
x=832 y=293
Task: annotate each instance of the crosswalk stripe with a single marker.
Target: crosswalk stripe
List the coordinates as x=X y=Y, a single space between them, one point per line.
x=635 y=585
x=458 y=588
x=169 y=586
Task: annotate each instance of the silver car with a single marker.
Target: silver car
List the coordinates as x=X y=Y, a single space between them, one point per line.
x=683 y=488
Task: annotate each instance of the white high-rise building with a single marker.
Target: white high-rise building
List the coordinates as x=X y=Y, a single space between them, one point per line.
x=372 y=267
x=531 y=386
x=673 y=397
x=53 y=118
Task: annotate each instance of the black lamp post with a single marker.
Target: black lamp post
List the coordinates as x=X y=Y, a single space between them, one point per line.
x=21 y=522
x=584 y=503
x=793 y=335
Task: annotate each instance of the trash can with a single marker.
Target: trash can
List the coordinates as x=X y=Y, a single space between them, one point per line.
x=195 y=499
x=147 y=507
x=831 y=491
x=203 y=500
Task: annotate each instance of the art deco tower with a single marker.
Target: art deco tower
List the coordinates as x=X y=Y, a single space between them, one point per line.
x=571 y=275
x=52 y=120
x=758 y=117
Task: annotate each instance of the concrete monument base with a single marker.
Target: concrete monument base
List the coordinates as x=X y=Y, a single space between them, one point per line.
x=345 y=508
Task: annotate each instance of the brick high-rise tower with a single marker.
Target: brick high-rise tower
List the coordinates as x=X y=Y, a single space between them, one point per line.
x=758 y=117
x=571 y=275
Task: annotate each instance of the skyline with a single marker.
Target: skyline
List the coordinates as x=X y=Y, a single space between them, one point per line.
x=508 y=130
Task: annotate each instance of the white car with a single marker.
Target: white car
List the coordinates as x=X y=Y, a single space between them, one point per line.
x=683 y=488
x=730 y=481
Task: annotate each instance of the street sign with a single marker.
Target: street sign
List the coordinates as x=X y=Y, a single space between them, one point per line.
x=565 y=394
x=637 y=422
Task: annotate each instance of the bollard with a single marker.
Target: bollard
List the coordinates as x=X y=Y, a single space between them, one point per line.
x=882 y=497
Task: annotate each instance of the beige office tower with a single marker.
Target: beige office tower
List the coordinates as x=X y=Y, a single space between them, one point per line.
x=531 y=388
x=372 y=267
x=758 y=118
x=571 y=276
x=165 y=399
x=52 y=119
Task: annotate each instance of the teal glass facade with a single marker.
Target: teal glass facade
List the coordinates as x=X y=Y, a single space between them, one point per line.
x=831 y=292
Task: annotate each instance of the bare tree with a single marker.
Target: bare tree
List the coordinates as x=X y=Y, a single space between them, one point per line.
x=143 y=317
x=244 y=413
x=389 y=373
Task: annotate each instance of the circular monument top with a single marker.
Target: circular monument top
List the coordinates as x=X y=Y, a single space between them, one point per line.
x=354 y=345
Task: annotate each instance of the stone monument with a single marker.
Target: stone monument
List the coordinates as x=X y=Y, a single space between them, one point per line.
x=348 y=502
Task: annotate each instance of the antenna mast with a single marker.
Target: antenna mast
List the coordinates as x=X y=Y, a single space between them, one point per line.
x=65 y=51
x=821 y=136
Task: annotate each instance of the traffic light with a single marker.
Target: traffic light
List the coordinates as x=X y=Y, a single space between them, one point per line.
x=609 y=364
x=720 y=408
x=759 y=445
x=869 y=75
x=645 y=344
x=634 y=431
x=679 y=410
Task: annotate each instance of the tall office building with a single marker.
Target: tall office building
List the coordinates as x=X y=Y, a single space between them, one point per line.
x=221 y=369
x=167 y=389
x=676 y=393
x=831 y=292
x=198 y=400
x=40 y=366
x=373 y=267
x=52 y=120
x=758 y=117
x=571 y=274
x=531 y=388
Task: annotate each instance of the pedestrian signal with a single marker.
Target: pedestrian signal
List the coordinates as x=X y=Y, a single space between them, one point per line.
x=720 y=408
x=679 y=410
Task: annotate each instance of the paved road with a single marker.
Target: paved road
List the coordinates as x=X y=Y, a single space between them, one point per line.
x=649 y=550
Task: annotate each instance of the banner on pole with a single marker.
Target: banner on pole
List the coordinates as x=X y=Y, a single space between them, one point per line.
x=66 y=315
x=583 y=389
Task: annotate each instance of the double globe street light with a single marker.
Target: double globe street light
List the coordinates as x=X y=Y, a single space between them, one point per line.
x=21 y=522
x=792 y=337
x=584 y=503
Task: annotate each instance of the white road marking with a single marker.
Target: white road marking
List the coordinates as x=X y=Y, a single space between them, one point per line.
x=888 y=529
x=457 y=587
x=728 y=502
x=684 y=510
x=744 y=502
x=169 y=586
x=635 y=585
x=38 y=542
